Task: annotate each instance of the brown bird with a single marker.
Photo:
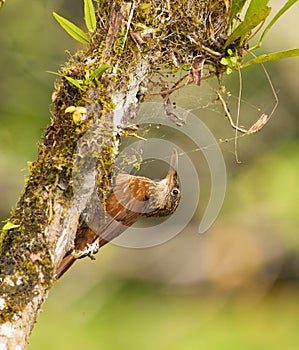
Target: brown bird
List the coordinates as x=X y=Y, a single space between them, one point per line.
x=131 y=197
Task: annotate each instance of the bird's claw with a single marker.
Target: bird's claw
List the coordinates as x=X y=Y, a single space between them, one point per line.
x=90 y=250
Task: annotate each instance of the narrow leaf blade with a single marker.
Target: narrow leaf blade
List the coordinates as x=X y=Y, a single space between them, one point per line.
x=89 y=16
x=255 y=6
x=99 y=71
x=9 y=225
x=236 y=8
x=53 y=72
x=286 y=6
x=245 y=27
x=74 y=82
x=271 y=57
x=74 y=31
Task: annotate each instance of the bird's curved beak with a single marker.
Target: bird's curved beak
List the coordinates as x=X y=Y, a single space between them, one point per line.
x=172 y=172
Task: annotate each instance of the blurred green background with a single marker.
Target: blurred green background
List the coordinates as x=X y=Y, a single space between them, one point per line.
x=234 y=287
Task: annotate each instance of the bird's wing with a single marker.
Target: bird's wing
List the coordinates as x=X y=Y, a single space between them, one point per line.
x=122 y=208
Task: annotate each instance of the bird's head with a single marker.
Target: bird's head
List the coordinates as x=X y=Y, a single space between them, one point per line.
x=166 y=194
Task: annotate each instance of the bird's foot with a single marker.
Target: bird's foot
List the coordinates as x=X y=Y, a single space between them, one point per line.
x=90 y=250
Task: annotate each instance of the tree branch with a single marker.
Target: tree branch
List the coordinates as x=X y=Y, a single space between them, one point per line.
x=43 y=225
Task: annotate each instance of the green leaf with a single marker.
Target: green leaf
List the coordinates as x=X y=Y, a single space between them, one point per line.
x=9 y=225
x=255 y=6
x=286 y=6
x=225 y=61
x=70 y=109
x=99 y=71
x=53 y=72
x=229 y=61
x=245 y=27
x=236 y=8
x=271 y=57
x=74 y=31
x=75 y=82
x=90 y=16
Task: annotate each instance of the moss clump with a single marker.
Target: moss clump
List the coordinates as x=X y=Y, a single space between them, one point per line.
x=185 y=30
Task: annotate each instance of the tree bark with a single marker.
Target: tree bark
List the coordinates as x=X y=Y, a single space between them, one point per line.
x=136 y=39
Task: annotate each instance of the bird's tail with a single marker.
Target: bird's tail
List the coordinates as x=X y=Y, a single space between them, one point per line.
x=65 y=264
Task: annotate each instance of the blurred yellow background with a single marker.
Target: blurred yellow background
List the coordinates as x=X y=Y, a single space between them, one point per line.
x=234 y=287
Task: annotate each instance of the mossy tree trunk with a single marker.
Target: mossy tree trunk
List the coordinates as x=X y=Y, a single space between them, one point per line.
x=136 y=39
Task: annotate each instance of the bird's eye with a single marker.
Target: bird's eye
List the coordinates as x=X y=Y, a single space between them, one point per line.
x=175 y=192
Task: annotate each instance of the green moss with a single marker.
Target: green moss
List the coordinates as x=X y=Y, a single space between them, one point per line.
x=101 y=48
x=120 y=43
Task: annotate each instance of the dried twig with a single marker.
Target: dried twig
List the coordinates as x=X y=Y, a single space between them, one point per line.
x=170 y=114
x=238 y=116
x=228 y=115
